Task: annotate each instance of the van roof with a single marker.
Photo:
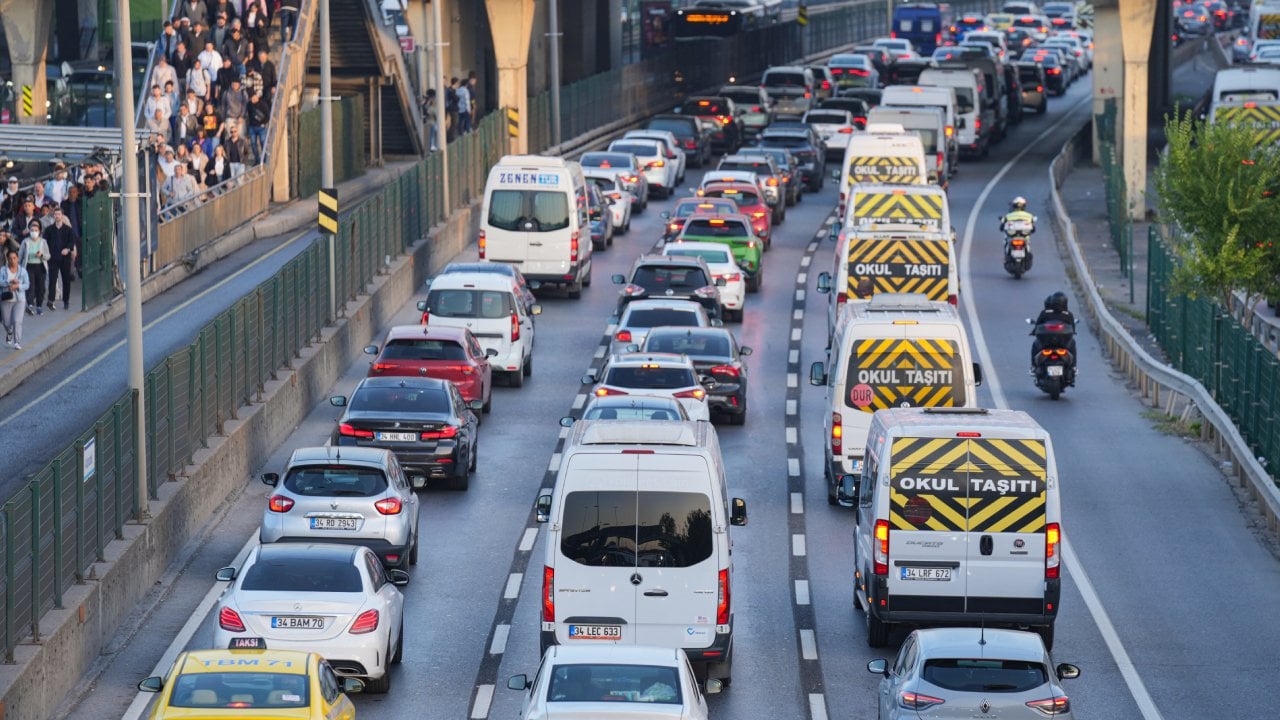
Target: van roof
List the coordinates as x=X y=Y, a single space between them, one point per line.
x=887 y=309
x=946 y=422
x=639 y=432
x=534 y=161
x=477 y=280
x=885 y=128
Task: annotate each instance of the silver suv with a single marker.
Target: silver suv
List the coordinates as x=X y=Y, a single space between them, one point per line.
x=350 y=495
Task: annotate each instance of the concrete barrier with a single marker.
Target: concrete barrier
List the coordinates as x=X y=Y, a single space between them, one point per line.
x=74 y=635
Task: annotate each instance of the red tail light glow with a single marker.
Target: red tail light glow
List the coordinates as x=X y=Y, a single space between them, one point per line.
x=444 y=433
x=837 y=434
x=656 y=164
x=725 y=370
x=918 y=701
x=279 y=503
x=481 y=242
x=722 y=598
x=605 y=391
x=690 y=145
x=772 y=182
x=845 y=131
x=426 y=315
x=515 y=327
x=881 y=558
x=696 y=394
x=389 y=506
x=229 y=619
x=548 y=594
x=937 y=38
x=1051 y=706
x=950 y=131
x=380 y=367
x=366 y=622
x=1052 y=558
x=573 y=247
x=1018 y=242
x=348 y=431
x=953 y=299
x=826 y=84
x=623 y=336
x=940 y=161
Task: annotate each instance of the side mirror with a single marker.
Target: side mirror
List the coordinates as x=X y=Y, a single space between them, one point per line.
x=977 y=374
x=422 y=306
x=738 y=512
x=618 y=279
x=632 y=347
x=879 y=666
x=153 y=684
x=713 y=686
x=1067 y=671
x=518 y=682
x=824 y=282
x=666 y=215
x=272 y=479
x=338 y=401
x=847 y=492
x=745 y=350
x=351 y=686
x=833 y=234
x=476 y=404
x=226 y=574
x=491 y=352
x=589 y=378
x=567 y=421
x=399 y=578
x=721 y=282
x=817 y=374
x=370 y=349
x=543 y=508
x=535 y=309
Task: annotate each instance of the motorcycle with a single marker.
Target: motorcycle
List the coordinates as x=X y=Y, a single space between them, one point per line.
x=1054 y=363
x=1017 y=247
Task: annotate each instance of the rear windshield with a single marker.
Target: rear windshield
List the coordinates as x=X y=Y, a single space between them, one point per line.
x=605 y=184
x=618 y=528
x=675 y=126
x=398 y=400
x=696 y=344
x=828 y=118
x=742 y=199
x=1029 y=74
x=964 y=98
x=761 y=167
x=632 y=412
x=636 y=148
x=335 y=481
x=1027 y=22
x=704 y=107
x=985 y=676
x=423 y=350
x=607 y=160
x=684 y=210
x=529 y=210
x=264 y=690
x=658 y=317
x=904 y=74
x=711 y=256
x=712 y=227
x=462 y=303
x=676 y=277
x=650 y=378
x=614 y=684
x=300 y=573
x=784 y=79
x=785 y=141
x=749 y=96
x=928 y=137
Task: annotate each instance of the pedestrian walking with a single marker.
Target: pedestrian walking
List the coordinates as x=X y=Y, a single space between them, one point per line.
x=64 y=248
x=464 y=108
x=473 y=85
x=451 y=108
x=288 y=14
x=35 y=253
x=15 y=282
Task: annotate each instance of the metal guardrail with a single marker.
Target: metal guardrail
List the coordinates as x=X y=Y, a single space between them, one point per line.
x=1157 y=383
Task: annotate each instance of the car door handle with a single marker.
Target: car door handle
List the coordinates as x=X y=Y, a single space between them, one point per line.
x=655 y=593
x=535 y=244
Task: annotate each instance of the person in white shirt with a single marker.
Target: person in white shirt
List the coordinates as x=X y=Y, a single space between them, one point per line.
x=163 y=72
x=56 y=188
x=198 y=81
x=210 y=58
x=158 y=102
x=181 y=187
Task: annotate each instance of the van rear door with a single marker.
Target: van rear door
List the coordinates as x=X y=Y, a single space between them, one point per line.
x=1007 y=513
x=927 y=521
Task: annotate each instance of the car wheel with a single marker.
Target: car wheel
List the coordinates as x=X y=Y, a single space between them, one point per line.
x=609 y=243
x=399 y=656
x=462 y=479
x=753 y=284
x=515 y=378
x=413 y=560
x=379 y=686
x=799 y=198
x=575 y=292
x=527 y=368
x=475 y=456
x=1046 y=634
x=877 y=631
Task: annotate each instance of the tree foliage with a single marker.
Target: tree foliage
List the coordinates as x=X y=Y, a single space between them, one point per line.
x=1219 y=185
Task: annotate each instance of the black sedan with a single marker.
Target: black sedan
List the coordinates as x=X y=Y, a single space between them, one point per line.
x=715 y=353
x=424 y=421
x=693 y=140
x=1054 y=75
x=805 y=145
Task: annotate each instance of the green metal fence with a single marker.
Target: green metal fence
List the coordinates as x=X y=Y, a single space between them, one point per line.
x=59 y=523
x=98 y=235
x=1116 y=189
x=1207 y=343
x=348 y=149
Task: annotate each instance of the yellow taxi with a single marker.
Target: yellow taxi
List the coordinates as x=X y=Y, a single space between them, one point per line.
x=250 y=682
x=1000 y=21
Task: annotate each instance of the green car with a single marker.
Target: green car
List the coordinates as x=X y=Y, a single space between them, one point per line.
x=734 y=231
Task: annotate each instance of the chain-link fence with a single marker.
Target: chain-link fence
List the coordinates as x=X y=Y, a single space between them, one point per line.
x=1209 y=344
x=1116 y=190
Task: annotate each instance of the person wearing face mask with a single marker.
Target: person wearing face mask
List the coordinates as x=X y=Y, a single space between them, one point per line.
x=34 y=252
x=64 y=248
x=14 y=283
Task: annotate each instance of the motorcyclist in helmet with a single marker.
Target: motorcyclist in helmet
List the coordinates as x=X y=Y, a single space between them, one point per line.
x=1055 y=310
x=1017 y=211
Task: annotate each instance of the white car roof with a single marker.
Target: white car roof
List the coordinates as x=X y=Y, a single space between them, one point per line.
x=614 y=654
x=662 y=304
x=704 y=246
x=473 y=280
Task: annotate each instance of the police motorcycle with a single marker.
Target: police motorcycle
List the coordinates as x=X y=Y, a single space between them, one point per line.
x=1017 y=227
x=1053 y=352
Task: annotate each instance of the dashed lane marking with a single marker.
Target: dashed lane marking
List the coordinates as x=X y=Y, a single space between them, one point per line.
x=513 y=586
x=793 y=469
x=791 y=436
x=791 y=407
x=817 y=706
x=802 y=592
x=793 y=380
x=808 y=645
x=530 y=537
x=579 y=401
x=555 y=462
x=798 y=545
x=500 y=635
x=484 y=698
x=797 y=502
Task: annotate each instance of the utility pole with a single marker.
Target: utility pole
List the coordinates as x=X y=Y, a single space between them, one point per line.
x=553 y=23
x=326 y=144
x=424 y=78
x=132 y=251
x=442 y=136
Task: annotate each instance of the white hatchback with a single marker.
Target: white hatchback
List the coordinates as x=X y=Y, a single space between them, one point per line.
x=665 y=374
x=719 y=259
x=659 y=171
x=670 y=144
x=640 y=315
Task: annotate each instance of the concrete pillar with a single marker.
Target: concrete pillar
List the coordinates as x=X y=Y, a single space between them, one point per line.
x=1108 y=66
x=26 y=27
x=511 y=22
x=1137 y=17
x=89 y=20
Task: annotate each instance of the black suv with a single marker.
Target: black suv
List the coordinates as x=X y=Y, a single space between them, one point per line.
x=720 y=110
x=671 y=277
x=805 y=145
x=695 y=142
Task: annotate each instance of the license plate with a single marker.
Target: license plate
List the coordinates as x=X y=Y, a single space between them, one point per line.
x=1055 y=370
x=397 y=436
x=1019 y=254
x=327 y=523
x=298 y=623
x=926 y=573
x=595 y=632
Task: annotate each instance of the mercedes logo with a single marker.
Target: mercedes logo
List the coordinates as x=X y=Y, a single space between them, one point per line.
x=636 y=579
x=985 y=707
x=297 y=606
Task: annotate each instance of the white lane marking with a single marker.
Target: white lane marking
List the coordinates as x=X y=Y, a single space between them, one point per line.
x=793 y=467
x=808 y=645
x=800 y=296
x=797 y=545
x=804 y=261
x=813 y=245
x=610 y=328
x=798 y=314
x=797 y=503
x=579 y=401
x=817 y=707
x=499 y=644
x=793 y=380
x=802 y=592
x=555 y=462
x=141 y=700
x=793 y=356
x=791 y=407
x=513 y=586
x=599 y=352
x=530 y=537
x=802 y=278
x=795 y=334
x=791 y=436
x=1137 y=688
x=218 y=286
x=484 y=698
x=564 y=432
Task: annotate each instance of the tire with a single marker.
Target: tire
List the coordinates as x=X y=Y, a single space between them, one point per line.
x=488 y=403
x=1046 y=634
x=516 y=379
x=877 y=631
x=575 y=293
x=475 y=456
x=462 y=480
x=527 y=368
x=799 y=197
x=1055 y=394
x=413 y=560
x=380 y=686
x=832 y=500
x=626 y=227
x=398 y=657
x=753 y=284
x=1017 y=274
x=586 y=281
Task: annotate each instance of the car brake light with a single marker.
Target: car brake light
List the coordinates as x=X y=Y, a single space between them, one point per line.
x=977 y=124
x=726 y=370
x=918 y=701
x=573 y=247
x=548 y=594
x=426 y=316
x=348 y=431
x=656 y=164
x=606 y=391
x=730 y=277
x=882 y=547
x=842 y=298
x=379 y=367
x=722 y=599
x=673 y=226
x=939 y=161
x=837 y=71
x=481 y=243
x=690 y=144
x=772 y=182
x=950 y=131
x=937 y=38
x=1051 y=707
x=758 y=214
x=1040 y=88
x=845 y=131
x=1018 y=242
x=826 y=84
x=623 y=336
x=389 y=506
x=1052 y=558
x=807 y=94
x=696 y=394
x=894 y=34
x=837 y=433
x=444 y=433
x=1054 y=71
x=515 y=327
x=366 y=622
x=279 y=503
x=953 y=299
x=229 y=619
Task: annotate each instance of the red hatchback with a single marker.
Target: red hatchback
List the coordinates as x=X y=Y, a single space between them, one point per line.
x=749 y=202
x=446 y=353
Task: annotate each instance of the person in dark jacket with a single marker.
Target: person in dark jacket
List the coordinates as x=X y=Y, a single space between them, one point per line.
x=259 y=114
x=267 y=71
x=236 y=47
x=64 y=248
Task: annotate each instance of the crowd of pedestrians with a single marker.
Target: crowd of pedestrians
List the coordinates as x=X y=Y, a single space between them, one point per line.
x=461 y=107
x=212 y=85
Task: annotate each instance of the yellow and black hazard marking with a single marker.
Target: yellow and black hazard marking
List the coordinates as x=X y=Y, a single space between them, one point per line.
x=1264 y=118
x=28 y=109
x=922 y=209
x=885 y=169
x=802 y=15
x=900 y=265
x=328 y=201
x=513 y=122
x=978 y=485
x=896 y=372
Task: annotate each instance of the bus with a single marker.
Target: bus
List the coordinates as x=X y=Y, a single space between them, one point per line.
x=702 y=23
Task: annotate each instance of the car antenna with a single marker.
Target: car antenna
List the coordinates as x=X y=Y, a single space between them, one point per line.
x=982 y=633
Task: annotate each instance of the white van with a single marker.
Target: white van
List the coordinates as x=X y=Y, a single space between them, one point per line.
x=898 y=350
x=534 y=216
x=492 y=307
x=637 y=548
x=882 y=157
x=974 y=122
x=959 y=521
x=930 y=124
x=940 y=97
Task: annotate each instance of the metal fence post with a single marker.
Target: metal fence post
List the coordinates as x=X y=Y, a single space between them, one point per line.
x=57 y=532
x=80 y=507
x=10 y=580
x=36 y=561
